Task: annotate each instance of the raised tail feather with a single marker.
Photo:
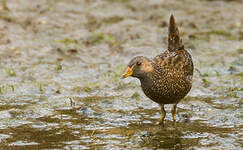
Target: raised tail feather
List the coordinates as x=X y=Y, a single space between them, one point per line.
x=174 y=41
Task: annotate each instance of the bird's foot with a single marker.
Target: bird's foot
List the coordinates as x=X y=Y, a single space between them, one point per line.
x=174 y=124
x=161 y=122
x=173 y=112
x=163 y=114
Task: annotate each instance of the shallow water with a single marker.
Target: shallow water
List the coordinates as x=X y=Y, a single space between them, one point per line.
x=60 y=68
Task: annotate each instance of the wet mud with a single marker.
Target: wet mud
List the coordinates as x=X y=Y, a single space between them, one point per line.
x=61 y=63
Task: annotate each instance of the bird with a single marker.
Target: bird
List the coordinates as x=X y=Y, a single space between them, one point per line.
x=167 y=78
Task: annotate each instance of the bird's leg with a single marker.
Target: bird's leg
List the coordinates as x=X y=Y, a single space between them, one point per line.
x=163 y=113
x=173 y=112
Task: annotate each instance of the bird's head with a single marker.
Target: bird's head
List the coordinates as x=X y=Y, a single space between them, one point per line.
x=138 y=67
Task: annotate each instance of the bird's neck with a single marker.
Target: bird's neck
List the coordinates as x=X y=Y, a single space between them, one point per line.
x=149 y=78
x=146 y=80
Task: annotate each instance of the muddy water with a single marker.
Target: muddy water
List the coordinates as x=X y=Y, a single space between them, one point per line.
x=60 y=68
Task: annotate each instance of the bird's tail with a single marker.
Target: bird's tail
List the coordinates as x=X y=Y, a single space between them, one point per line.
x=174 y=41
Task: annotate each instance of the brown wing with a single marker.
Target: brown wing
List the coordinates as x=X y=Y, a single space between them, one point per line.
x=179 y=60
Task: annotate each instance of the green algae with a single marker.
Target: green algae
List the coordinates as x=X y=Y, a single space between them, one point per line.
x=10 y=72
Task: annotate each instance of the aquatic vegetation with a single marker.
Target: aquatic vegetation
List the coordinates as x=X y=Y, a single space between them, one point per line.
x=135 y=95
x=101 y=37
x=58 y=67
x=113 y=19
x=68 y=41
x=10 y=72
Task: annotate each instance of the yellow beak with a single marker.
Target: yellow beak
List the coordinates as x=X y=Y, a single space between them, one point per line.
x=127 y=73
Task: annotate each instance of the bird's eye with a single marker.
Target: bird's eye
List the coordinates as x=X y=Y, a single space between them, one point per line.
x=138 y=63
